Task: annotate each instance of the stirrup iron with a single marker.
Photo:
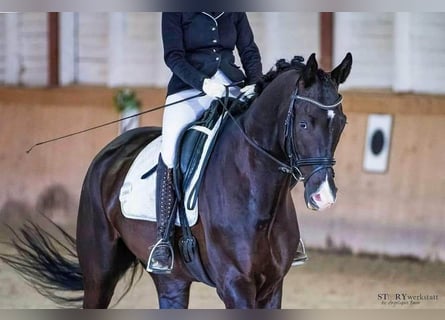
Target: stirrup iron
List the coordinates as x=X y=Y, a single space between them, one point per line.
x=151 y=265
x=300 y=257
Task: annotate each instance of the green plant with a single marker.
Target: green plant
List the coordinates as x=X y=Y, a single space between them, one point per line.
x=125 y=99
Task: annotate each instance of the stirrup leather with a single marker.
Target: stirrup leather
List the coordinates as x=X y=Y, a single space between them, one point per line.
x=152 y=263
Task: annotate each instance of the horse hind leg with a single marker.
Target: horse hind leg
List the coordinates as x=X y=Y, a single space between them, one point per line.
x=103 y=258
x=102 y=275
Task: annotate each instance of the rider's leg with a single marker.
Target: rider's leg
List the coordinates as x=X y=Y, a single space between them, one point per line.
x=161 y=255
x=176 y=118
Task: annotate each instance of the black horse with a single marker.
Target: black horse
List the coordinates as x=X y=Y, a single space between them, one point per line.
x=247 y=229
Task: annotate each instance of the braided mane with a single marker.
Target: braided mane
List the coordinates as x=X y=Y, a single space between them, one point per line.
x=280 y=66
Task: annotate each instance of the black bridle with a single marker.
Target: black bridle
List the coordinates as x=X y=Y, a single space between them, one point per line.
x=295 y=162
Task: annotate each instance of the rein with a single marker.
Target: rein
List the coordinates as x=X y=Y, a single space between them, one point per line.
x=295 y=162
x=283 y=166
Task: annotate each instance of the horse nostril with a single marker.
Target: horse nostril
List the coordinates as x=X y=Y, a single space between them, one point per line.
x=317 y=197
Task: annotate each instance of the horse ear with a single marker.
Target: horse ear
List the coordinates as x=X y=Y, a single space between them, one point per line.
x=341 y=72
x=310 y=70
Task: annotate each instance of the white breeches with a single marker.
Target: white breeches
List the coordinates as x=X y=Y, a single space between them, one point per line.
x=180 y=115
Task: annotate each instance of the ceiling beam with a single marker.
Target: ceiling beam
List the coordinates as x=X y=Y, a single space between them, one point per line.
x=326 y=39
x=53 y=49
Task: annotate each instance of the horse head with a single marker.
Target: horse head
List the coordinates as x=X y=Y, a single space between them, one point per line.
x=314 y=124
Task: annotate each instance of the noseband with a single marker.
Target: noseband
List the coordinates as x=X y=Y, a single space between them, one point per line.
x=295 y=161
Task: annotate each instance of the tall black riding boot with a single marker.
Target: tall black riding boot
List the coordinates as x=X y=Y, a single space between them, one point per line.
x=161 y=255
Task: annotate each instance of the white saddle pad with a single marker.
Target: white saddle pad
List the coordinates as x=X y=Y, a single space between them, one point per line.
x=138 y=196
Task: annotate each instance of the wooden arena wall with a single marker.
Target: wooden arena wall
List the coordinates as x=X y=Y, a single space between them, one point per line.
x=400 y=212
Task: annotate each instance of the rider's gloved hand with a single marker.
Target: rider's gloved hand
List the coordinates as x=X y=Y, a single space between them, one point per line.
x=248 y=91
x=213 y=88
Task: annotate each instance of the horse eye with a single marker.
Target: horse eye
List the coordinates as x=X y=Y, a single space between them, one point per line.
x=303 y=124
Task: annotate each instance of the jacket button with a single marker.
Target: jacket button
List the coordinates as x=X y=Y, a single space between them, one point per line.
x=217 y=59
x=215 y=41
x=213 y=29
x=214 y=50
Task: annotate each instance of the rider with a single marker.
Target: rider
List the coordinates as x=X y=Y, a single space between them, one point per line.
x=198 y=49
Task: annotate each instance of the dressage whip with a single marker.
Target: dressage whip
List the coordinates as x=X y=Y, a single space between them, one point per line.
x=114 y=121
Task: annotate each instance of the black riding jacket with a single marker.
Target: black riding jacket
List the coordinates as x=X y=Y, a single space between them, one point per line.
x=197 y=44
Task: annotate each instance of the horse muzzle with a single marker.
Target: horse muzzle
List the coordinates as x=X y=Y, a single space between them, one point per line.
x=323 y=198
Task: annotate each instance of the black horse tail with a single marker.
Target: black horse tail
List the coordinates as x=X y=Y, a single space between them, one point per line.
x=50 y=264
x=47 y=263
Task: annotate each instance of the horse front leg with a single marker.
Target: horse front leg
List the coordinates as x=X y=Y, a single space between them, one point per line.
x=273 y=299
x=243 y=294
x=172 y=293
x=238 y=293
